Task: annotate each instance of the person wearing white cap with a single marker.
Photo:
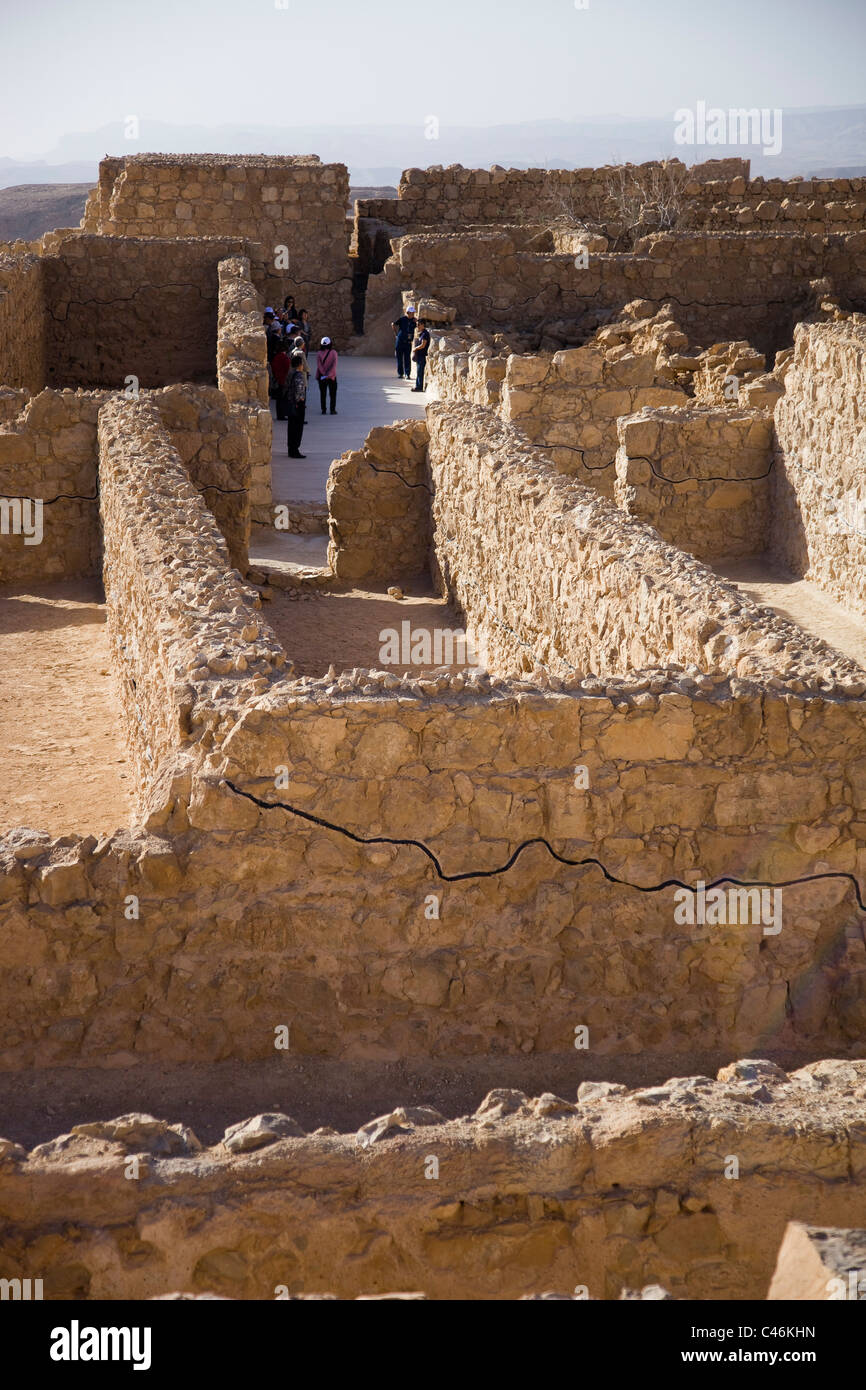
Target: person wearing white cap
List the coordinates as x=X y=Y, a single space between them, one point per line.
x=326 y=374
x=404 y=327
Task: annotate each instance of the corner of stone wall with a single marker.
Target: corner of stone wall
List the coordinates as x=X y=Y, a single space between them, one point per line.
x=379 y=505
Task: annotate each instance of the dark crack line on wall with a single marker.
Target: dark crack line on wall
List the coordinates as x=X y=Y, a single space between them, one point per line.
x=227 y=491
x=589 y=862
x=642 y=458
x=128 y=298
x=395 y=474
x=49 y=501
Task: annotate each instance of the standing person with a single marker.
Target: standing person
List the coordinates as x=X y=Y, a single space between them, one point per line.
x=326 y=374
x=419 y=356
x=281 y=366
x=289 y=306
x=404 y=327
x=298 y=345
x=296 y=405
x=306 y=328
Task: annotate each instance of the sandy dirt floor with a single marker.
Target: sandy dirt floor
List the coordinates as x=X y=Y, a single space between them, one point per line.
x=801 y=602
x=343 y=628
x=64 y=763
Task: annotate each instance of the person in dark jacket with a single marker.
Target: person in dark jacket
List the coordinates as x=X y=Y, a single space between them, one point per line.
x=296 y=405
x=419 y=355
x=404 y=327
x=281 y=366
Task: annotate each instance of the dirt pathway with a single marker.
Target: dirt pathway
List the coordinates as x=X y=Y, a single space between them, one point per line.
x=64 y=762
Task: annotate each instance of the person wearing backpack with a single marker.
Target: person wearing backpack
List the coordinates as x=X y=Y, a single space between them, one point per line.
x=326 y=374
x=296 y=405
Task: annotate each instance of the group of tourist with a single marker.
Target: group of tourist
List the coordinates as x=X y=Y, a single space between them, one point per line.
x=413 y=345
x=289 y=334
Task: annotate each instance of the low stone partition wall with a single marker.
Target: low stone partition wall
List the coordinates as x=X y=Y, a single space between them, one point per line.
x=188 y=644
x=23 y=323
x=569 y=404
x=700 y=477
x=242 y=375
x=585 y=1195
x=379 y=506
x=121 y=307
x=49 y=455
x=214 y=446
x=551 y=575
x=49 y=510
x=371 y=819
x=819 y=486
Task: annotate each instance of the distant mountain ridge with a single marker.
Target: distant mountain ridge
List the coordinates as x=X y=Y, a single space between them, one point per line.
x=814 y=139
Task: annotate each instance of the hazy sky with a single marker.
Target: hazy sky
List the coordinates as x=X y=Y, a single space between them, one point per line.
x=74 y=65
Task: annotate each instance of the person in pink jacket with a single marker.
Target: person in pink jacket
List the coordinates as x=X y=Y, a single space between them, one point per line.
x=326 y=374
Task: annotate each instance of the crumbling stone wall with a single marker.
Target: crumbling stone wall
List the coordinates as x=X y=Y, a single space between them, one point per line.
x=716 y=196
x=700 y=477
x=121 y=306
x=455 y=197
x=242 y=375
x=753 y=286
x=186 y=640
x=602 y=1191
x=48 y=454
x=569 y=404
x=379 y=506
x=22 y=322
x=314 y=897
x=550 y=574
x=293 y=202
x=819 y=491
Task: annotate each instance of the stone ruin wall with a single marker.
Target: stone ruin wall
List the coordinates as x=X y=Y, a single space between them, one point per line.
x=718 y=196
x=22 y=322
x=379 y=506
x=700 y=477
x=242 y=376
x=49 y=451
x=171 y=592
x=618 y=1190
x=246 y=887
x=552 y=575
x=819 y=492
x=275 y=201
x=120 y=306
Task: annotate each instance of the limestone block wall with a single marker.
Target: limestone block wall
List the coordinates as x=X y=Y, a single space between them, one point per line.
x=455 y=197
x=819 y=486
x=550 y=574
x=569 y=404
x=379 y=505
x=213 y=445
x=700 y=477
x=718 y=196
x=22 y=322
x=750 y=286
x=242 y=374
x=185 y=636
x=545 y=1193
x=314 y=898
x=48 y=454
x=120 y=307
x=293 y=202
